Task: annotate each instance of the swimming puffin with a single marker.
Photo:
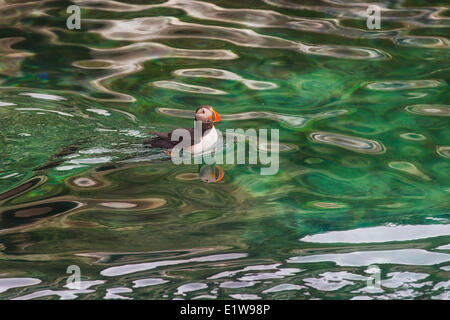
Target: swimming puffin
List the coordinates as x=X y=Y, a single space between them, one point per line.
x=207 y=117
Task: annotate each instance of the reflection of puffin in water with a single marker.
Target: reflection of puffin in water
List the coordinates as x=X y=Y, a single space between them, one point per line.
x=207 y=116
x=211 y=173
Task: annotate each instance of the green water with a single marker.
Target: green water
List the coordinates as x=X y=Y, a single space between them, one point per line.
x=364 y=150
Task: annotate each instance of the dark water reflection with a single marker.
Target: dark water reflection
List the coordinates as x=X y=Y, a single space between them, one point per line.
x=364 y=151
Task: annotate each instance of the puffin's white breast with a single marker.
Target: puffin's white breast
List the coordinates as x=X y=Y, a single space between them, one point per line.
x=208 y=140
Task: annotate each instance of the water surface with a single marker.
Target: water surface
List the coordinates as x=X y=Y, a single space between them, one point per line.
x=364 y=150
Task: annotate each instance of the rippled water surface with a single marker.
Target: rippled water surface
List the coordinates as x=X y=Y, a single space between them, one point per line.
x=364 y=150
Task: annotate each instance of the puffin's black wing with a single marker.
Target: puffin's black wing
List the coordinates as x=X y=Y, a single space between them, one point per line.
x=164 y=140
x=158 y=143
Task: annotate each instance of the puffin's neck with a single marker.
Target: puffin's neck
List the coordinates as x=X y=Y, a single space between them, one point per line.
x=207 y=126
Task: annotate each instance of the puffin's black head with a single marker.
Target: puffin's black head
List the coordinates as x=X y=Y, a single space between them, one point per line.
x=206 y=114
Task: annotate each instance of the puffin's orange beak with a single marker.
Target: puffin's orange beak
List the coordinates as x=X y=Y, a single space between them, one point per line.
x=220 y=174
x=216 y=117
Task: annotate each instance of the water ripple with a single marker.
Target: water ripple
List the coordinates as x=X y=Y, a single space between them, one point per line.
x=226 y=75
x=418 y=16
x=11 y=59
x=142 y=29
x=408 y=168
x=423 y=42
x=119 y=62
x=290 y=120
x=173 y=85
x=439 y=110
x=444 y=151
x=404 y=85
x=348 y=142
x=272 y=19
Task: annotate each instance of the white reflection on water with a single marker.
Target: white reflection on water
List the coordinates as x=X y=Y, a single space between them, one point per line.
x=101 y=112
x=189 y=287
x=113 y=293
x=399 y=279
x=244 y=296
x=331 y=281
x=225 y=75
x=284 y=287
x=349 y=142
x=45 y=110
x=418 y=257
x=83 y=285
x=131 y=268
x=249 y=268
x=404 y=283
x=140 y=283
x=236 y=284
x=63 y=294
x=149 y=28
x=281 y=273
x=438 y=110
x=173 y=85
x=43 y=96
x=442 y=285
x=9 y=283
x=404 y=85
x=381 y=234
x=6 y=104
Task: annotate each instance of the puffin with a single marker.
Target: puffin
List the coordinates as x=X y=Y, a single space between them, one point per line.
x=209 y=137
x=211 y=173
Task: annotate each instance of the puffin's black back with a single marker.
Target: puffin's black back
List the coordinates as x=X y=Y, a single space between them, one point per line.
x=164 y=139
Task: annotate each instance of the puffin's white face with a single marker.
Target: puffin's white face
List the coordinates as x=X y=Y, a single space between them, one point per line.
x=204 y=115
x=207 y=115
